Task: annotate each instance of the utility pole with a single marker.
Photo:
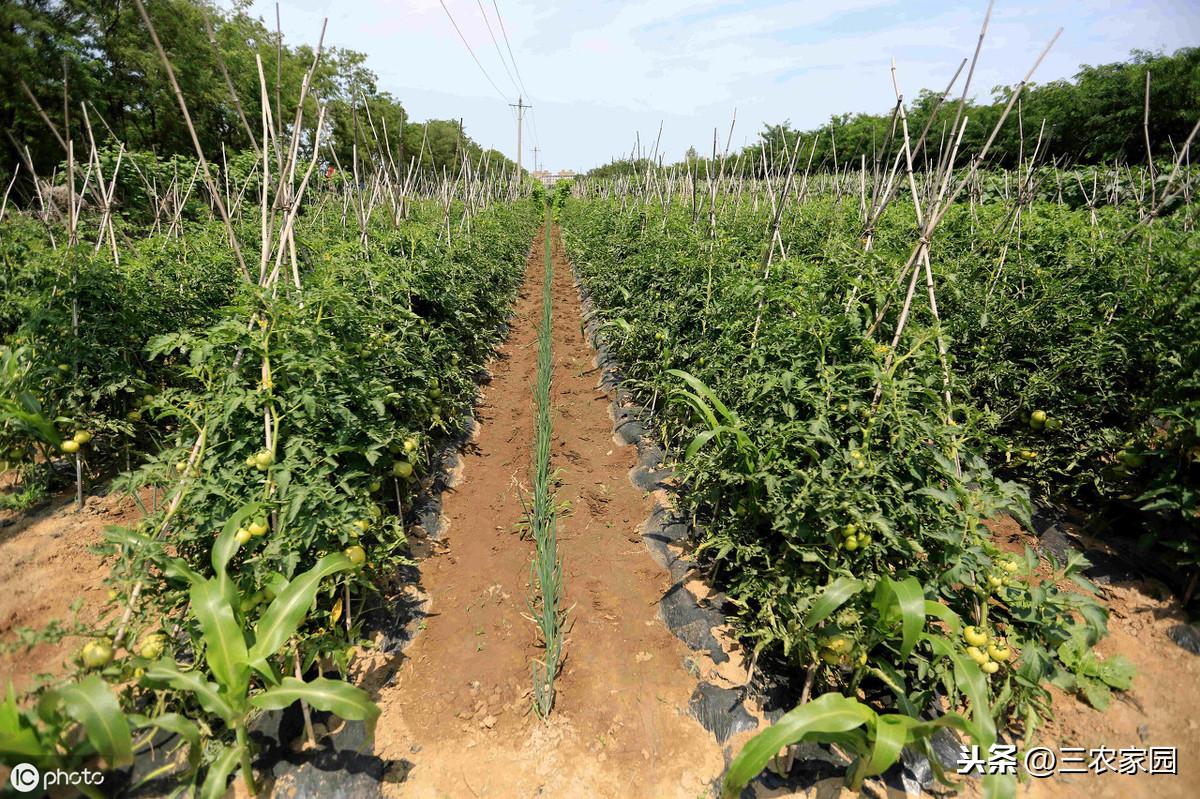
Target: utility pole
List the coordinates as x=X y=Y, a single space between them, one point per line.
x=520 y=106
x=535 y=159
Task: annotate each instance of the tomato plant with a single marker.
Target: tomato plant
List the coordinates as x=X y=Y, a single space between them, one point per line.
x=840 y=503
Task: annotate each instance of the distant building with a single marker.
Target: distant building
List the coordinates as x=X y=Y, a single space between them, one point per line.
x=549 y=178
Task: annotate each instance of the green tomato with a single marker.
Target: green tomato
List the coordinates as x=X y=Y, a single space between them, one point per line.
x=263 y=460
x=974 y=636
x=1131 y=460
x=841 y=644
x=242 y=536
x=258 y=528
x=151 y=647
x=402 y=469
x=97 y=654
x=70 y=446
x=251 y=602
x=356 y=554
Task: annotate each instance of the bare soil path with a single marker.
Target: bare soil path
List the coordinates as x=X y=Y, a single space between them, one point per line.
x=47 y=569
x=459 y=707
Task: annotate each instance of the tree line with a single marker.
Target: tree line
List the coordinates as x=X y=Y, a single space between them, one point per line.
x=1095 y=117
x=59 y=54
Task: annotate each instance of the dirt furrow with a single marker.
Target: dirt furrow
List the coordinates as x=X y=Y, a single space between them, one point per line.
x=458 y=708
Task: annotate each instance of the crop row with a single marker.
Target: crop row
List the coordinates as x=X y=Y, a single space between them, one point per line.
x=262 y=546
x=842 y=504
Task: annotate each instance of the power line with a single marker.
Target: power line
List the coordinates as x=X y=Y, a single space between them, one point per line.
x=472 y=52
x=503 y=63
x=533 y=126
x=511 y=57
x=508 y=45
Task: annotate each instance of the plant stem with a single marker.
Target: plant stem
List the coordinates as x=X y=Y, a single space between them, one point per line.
x=247 y=769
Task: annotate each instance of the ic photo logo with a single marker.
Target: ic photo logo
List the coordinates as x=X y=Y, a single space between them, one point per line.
x=25 y=777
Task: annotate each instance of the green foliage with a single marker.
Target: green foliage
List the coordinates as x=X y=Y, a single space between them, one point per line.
x=71 y=724
x=545 y=570
x=364 y=372
x=1094 y=119
x=57 y=378
x=875 y=740
x=1094 y=333
x=1092 y=677
x=562 y=192
x=112 y=65
x=839 y=502
x=239 y=656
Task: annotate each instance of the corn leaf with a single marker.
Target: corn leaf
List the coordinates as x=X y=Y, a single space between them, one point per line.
x=834 y=596
x=224 y=641
x=827 y=714
x=92 y=704
x=287 y=611
x=334 y=696
x=208 y=694
x=218 y=773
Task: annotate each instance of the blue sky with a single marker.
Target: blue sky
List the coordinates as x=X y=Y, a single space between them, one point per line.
x=602 y=71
